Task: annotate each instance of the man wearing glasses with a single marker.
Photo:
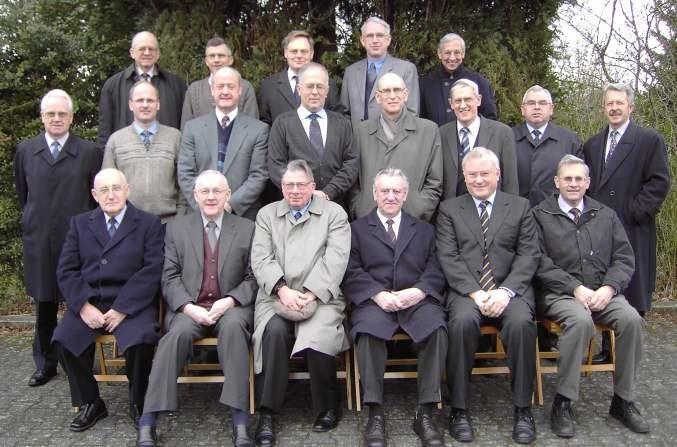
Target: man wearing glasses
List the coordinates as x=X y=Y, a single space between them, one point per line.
x=358 y=92
x=324 y=139
x=114 y=113
x=397 y=138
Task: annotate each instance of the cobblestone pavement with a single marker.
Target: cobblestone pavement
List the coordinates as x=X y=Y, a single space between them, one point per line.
x=40 y=416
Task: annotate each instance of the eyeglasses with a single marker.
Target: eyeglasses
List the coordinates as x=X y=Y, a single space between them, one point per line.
x=142 y=50
x=396 y=91
x=298 y=185
x=105 y=190
x=375 y=36
x=52 y=115
x=319 y=87
x=216 y=191
x=450 y=53
x=532 y=103
x=296 y=52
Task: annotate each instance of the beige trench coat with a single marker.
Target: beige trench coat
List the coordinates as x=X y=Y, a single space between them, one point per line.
x=310 y=253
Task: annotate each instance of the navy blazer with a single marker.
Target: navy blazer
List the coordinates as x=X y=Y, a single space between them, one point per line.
x=122 y=273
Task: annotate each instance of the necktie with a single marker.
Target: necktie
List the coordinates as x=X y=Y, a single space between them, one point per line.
x=487 y=275
x=112 y=227
x=55 y=149
x=225 y=121
x=612 y=144
x=537 y=136
x=297 y=215
x=465 y=141
x=145 y=135
x=211 y=234
x=315 y=134
x=391 y=231
x=369 y=85
x=297 y=97
x=145 y=77
x=576 y=213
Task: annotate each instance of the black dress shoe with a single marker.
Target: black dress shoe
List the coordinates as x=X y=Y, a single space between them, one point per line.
x=241 y=436
x=460 y=427
x=562 y=418
x=147 y=436
x=375 y=433
x=41 y=376
x=602 y=357
x=425 y=428
x=327 y=420
x=626 y=412
x=265 y=434
x=134 y=415
x=524 y=430
x=88 y=415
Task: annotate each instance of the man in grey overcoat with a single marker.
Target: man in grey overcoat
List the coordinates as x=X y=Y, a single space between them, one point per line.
x=299 y=254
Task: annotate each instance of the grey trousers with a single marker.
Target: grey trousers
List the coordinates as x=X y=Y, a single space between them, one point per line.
x=371 y=354
x=577 y=330
x=233 y=331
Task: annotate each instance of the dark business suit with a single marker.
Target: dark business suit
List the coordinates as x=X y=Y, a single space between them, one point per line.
x=634 y=182
x=375 y=265
x=182 y=279
x=512 y=244
x=50 y=193
x=122 y=273
x=335 y=171
x=494 y=136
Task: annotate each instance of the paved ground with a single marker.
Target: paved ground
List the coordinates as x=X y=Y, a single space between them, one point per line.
x=40 y=416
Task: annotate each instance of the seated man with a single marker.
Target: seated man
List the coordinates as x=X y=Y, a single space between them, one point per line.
x=299 y=255
x=487 y=245
x=109 y=273
x=209 y=289
x=587 y=261
x=394 y=281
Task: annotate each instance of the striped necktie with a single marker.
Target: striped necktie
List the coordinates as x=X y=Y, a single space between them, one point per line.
x=487 y=275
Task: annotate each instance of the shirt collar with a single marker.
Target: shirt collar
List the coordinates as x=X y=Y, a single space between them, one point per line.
x=51 y=140
x=304 y=113
x=565 y=207
x=473 y=127
x=118 y=218
x=152 y=128
x=216 y=220
x=231 y=115
x=490 y=199
x=540 y=129
x=396 y=219
x=290 y=74
x=302 y=210
x=621 y=130
x=151 y=72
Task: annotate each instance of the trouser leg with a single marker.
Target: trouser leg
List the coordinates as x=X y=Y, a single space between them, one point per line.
x=277 y=343
x=430 y=366
x=323 y=382
x=83 y=386
x=138 y=362
x=44 y=356
x=234 y=334
x=371 y=358
x=518 y=331
x=463 y=331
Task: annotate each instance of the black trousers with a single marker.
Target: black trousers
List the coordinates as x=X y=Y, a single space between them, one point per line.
x=271 y=384
x=45 y=322
x=83 y=385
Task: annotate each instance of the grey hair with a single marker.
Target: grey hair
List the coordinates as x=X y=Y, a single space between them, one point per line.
x=621 y=87
x=480 y=153
x=312 y=66
x=390 y=75
x=56 y=93
x=376 y=20
x=536 y=89
x=139 y=34
x=299 y=165
x=210 y=173
x=143 y=81
x=464 y=83
x=225 y=71
x=569 y=159
x=450 y=37
x=391 y=172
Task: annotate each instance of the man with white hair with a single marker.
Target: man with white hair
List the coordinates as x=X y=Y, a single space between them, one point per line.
x=358 y=91
x=53 y=174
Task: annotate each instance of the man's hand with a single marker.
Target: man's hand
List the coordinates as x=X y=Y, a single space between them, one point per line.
x=220 y=307
x=320 y=194
x=583 y=295
x=481 y=299
x=307 y=297
x=199 y=314
x=113 y=319
x=227 y=207
x=291 y=298
x=92 y=316
x=408 y=297
x=600 y=299
x=386 y=301
x=498 y=301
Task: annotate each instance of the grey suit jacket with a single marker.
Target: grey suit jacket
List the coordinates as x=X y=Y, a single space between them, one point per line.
x=184 y=261
x=199 y=100
x=355 y=80
x=244 y=166
x=493 y=135
x=512 y=244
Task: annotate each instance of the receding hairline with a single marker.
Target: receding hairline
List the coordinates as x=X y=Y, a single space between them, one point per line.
x=108 y=172
x=142 y=34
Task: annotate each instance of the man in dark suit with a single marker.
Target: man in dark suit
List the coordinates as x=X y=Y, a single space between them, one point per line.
x=321 y=137
x=114 y=114
x=227 y=141
x=209 y=288
x=540 y=144
x=109 y=272
x=487 y=245
x=470 y=130
x=358 y=91
x=394 y=281
x=278 y=93
x=436 y=86
x=53 y=173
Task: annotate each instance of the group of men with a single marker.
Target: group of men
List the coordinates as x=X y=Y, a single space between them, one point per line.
x=259 y=222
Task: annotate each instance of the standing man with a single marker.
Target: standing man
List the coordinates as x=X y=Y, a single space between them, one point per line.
x=436 y=86
x=299 y=254
x=574 y=227
x=114 y=113
x=540 y=144
x=278 y=92
x=199 y=100
x=358 y=91
x=227 y=141
x=394 y=281
x=469 y=131
x=53 y=174
x=487 y=244
x=147 y=152
x=397 y=138
x=324 y=139
x=109 y=272
x=209 y=288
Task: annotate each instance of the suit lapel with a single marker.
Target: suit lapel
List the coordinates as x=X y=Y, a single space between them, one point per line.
x=377 y=229
x=127 y=225
x=405 y=235
x=225 y=241
x=236 y=138
x=97 y=225
x=623 y=149
x=284 y=88
x=499 y=211
x=195 y=231
x=332 y=135
x=484 y=135
x=471 y=218
x=211 y=135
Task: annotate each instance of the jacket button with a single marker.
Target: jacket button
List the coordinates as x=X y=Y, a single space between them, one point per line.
x=104 y=261
x=612 y=193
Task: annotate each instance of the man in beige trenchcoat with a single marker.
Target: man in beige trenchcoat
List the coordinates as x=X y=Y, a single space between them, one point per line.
x=299 y=254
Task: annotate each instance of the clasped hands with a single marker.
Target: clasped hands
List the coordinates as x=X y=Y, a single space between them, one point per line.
x=295 y=299
x=96 y=319
x=209 y=317
x=491 y=303
x=392 y=301
x=594 y=300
